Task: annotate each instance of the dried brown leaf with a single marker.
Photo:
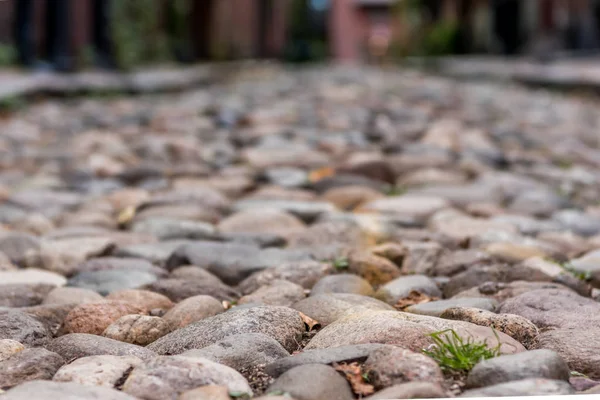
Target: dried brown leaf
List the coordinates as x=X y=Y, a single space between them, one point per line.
x=414 y=297
x=309 y=322
x=321 y=173
x=355 y=377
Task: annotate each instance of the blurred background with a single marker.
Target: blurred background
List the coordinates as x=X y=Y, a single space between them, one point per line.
x=75 y=34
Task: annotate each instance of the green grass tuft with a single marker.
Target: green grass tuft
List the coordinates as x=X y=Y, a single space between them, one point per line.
x=341 y=263
x=454 y=353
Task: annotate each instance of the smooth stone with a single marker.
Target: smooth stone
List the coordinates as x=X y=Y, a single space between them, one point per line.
x=517 y=327
x=77 y=345
x=192 y=272
x=261 y=221
x=137 y=329
x=346 y=233
x=389 y=366
x=23 y=294
x=287 y=177
x=358 y=352
x=192 y=309
x=171 y=229
x=167 y=377
x=325 y=383
x=142 y=299
x=281 y=323
x=156 y=253
x=31 y=276
x=94 y=318
x=208 y=392
x=530 y=364
x=105 y=371
x=461 y=227
x=242 y=351
x=342 y=283
x=327 y=308
x=72 y=295
x=178 y=290
x=414 y=209
x=307 y=211
x=400 y=288
x=116 y=263
x=402 y=329
x=501 y=291
x=578 y=222
x=303 y=273
x=231 y=262
x=277 y=293
x=421 y=258
x=29 y=365
x=44 y=390
x=17 y=246
x=350 y=197
x=23 y=328
x=108 y=281
x=51 y=315
x=8 y=347
x=374 y=269
x=437 y=308
x=410 y=390
x=524 y=387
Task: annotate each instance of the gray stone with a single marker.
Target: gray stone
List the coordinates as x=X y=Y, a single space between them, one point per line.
x=23 y=328
x=515 y=326
x=342 y=283
x=325 y=383
x=281 y=323
x=156 y=253
x=116 y=263
x=502 y=291
x=77 y=345
x=72 y=295
x=402 y=329
x=307 y=211
x=578 y=222
x=389 y=366
x=410 y=390
x=401 y=287
x=327 y=308
x=108 y=281
x=168 y=377
x=31 y=276
x=525 y=387
x=231 y=262
x=351 y=353
x=303 y=273
x=23 y=294
x=17 y=245
x=277 y=293
x=437 y=308
x=44 y=390
x=171 y=229
x=531 y=364
x=180 y=289
x=29 y=365
x=242 y=351
x=107 y=371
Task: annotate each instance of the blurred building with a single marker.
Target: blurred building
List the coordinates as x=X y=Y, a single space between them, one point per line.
x=261 y=28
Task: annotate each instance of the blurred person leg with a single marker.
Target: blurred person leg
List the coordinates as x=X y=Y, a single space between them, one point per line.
x=101 y=34
x=24 y=32
x=57 y=20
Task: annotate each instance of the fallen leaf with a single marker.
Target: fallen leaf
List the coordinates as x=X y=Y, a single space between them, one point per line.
x=414 y=297
x=309 y=322
x=126 y=215
x=356 y=378
x=321 y=173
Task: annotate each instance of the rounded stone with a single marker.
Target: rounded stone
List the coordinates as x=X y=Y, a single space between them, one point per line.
x=278 y=293
x=390 y=366
x=23 y=328
x=137 y=329
x=342 y=283
x=44 y=390
x=191 y=310
x=78 y=345
x=411 y=390
x=281 y=323
x=167 y=377
x=8 y=347
x=103 y=370
x=143 y=299
x=70 y=295
x=94 y=318
x=325 y=383
x=29 y=365
x=400 y=288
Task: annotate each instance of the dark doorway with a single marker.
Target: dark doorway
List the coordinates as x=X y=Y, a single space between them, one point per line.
x=507 y=20
x=202 y=12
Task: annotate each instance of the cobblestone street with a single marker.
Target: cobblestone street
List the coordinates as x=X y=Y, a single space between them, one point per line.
x=299 y=233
